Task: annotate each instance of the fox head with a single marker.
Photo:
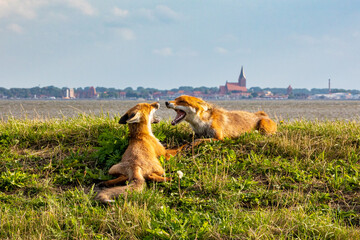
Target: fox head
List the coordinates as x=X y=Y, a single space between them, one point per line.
x=141 y=113
x=188 y=108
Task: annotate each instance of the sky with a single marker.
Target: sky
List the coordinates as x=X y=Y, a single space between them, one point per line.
x=168 y=44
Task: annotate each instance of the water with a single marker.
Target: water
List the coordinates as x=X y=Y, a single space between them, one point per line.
x=277 y=109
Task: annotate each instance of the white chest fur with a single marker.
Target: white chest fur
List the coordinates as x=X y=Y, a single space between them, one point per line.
x=201 y=127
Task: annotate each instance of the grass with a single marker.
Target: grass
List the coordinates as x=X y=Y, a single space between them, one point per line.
x=302 y=183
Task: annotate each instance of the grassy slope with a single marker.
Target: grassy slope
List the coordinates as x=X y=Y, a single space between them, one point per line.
x=301 y=183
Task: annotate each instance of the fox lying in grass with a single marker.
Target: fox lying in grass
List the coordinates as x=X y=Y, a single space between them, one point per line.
x=208 y=120
x=140 y=161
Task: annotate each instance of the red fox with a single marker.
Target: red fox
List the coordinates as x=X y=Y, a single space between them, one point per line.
x=207 y=120
x=140 y=161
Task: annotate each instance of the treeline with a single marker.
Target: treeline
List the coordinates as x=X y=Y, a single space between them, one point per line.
x=34 y=92
x=304 y=90
x=141 y=92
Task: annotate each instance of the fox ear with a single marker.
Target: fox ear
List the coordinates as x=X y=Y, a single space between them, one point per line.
x=156 y=105
x=123 y=119
x=134 y=118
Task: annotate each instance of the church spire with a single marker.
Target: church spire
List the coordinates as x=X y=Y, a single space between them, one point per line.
x=242 y=78
x=242 y=75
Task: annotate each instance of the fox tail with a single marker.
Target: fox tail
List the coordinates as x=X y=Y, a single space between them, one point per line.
x=137 y=184
x=107 y=195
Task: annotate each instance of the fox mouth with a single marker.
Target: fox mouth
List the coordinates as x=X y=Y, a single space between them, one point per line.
x=155 y=119
x=180 y=115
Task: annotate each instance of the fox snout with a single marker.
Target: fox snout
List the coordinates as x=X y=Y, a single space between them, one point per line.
x=170 y=105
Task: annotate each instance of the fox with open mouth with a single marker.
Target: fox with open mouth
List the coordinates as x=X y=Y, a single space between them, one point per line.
x=207 y=120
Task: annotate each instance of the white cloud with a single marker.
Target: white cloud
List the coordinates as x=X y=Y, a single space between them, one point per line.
x=166 y=13
x=319 y=40
x=29 y=8
x=126 y=33
x=160 y=13
x=166 y=52
x=15 y=28
x=221 y=50
x=146 y=13
x=23 y=8
x=82 y=5
x=120 y=12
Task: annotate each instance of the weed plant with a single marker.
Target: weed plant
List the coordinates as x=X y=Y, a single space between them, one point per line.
x=301 y=183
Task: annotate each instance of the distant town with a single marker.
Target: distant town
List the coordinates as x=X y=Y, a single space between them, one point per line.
x=228 y=91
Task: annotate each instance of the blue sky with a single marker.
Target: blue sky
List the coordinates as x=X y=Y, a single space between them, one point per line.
x=167 y=44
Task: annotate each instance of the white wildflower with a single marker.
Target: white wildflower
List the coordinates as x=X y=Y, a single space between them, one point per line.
x=180 y=174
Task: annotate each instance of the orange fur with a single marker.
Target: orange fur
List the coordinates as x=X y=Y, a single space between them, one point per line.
x=207 y=120
x=140 y=161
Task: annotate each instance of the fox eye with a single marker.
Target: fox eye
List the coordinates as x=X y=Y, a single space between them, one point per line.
x=132 y=115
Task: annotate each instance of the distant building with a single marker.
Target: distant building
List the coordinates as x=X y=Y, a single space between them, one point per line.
x=235 y=88
x=170 y=94
x=69 y=94
x=92 y=92
x=342 y=95
x=122 y=95
x=197 y=93
x=289 y=90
